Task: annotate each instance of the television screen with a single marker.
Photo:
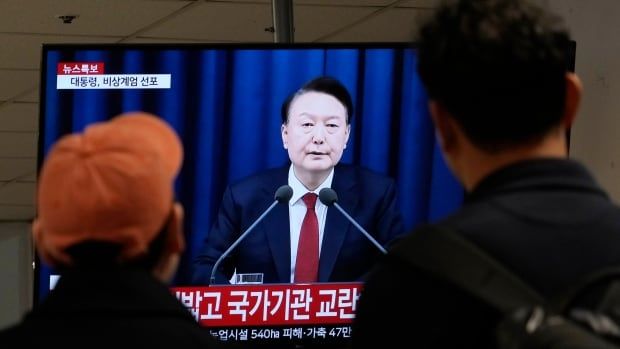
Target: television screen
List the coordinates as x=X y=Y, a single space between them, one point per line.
x=225 y=102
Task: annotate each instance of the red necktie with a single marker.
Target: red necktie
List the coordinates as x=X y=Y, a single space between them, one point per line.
x=307 y=263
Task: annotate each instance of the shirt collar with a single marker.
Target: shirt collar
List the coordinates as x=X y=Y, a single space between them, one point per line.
x=299 y=189
x=541 y=173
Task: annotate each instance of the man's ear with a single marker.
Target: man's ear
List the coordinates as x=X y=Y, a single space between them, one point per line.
x=37 y=237
x=284 y=132
x=176 y=237
x=168 y=262
x=444 y=126
x=574 y=90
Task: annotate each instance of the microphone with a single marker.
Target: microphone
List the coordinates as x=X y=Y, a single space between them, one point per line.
x=283 y=195
x=329 y=197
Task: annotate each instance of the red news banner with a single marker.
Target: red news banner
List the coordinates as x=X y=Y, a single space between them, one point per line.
x=80 y=68
x=271 y=304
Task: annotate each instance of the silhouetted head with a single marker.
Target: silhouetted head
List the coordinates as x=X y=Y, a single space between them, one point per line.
x=498 y=67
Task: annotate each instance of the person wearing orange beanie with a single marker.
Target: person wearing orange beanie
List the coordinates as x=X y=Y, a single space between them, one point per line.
x=109 y=224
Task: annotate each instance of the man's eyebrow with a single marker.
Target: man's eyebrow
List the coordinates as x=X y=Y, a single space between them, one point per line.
x=328 y=117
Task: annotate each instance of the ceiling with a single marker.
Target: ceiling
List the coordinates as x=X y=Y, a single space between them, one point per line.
x=26 y=25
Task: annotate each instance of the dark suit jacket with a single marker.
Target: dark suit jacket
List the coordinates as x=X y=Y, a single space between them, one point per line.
x=546 y=220
x=109 y=309
x=346 y=254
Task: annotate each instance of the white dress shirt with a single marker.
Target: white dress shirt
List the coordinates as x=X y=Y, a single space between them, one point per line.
x=297 y=211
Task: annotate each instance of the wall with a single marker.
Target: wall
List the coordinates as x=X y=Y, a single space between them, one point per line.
x=16 y=281
x=595 y=136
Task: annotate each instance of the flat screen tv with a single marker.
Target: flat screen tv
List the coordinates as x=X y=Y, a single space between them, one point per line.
x=224 y=101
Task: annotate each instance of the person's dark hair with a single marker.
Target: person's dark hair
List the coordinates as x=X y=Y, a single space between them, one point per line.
x=101 y=254
x=324 y=84
x=498 y=66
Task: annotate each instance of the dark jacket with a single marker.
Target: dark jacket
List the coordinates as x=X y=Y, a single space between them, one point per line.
x=109 y=309
x=546 y=220
x=346 y=254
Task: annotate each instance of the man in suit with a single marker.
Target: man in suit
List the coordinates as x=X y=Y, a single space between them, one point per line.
x=502 y=100
x=107 y=221
x=316 y=123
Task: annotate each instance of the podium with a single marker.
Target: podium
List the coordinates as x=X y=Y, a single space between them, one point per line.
x=268 y=313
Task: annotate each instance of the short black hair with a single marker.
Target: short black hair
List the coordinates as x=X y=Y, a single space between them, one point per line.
x=323 y=84
x=498 y=66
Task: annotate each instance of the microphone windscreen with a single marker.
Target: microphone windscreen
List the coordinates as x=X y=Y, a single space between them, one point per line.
x=284 y=194
x=328 y=196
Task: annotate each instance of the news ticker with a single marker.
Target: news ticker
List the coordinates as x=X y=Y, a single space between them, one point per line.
x=271 y=304
x=113 y=81
x=92 y=75
x=329 y=333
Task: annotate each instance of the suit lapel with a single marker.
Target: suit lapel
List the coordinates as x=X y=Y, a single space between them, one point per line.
x=336 y=224
x=277 y=229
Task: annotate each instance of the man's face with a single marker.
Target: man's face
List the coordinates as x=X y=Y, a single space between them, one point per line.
x=316 y=133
